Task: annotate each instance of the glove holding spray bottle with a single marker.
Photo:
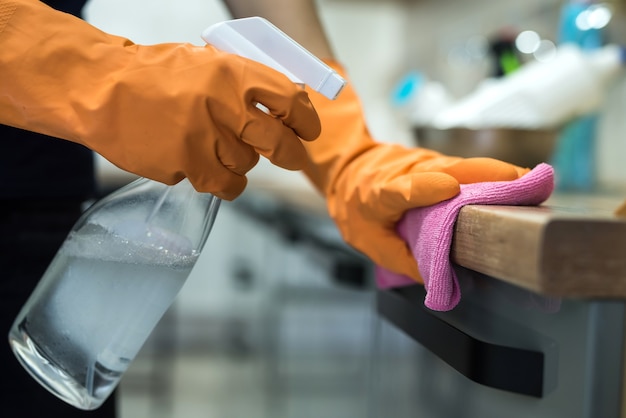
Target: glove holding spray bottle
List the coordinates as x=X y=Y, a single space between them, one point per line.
x=128 y=256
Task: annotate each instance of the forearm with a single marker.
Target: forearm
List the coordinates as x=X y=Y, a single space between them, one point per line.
x=297 y=18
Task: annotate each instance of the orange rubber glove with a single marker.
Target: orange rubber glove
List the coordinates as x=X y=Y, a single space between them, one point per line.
x=164 y=112
x=370 y=185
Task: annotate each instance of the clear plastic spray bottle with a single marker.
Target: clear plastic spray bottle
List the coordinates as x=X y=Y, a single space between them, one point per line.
x=127 y=257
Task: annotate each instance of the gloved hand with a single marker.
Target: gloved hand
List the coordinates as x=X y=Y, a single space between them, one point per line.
x=370 y=185
x=164 y=111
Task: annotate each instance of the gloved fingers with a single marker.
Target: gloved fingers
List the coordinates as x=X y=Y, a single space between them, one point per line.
x=236 y=155
x=222 y=183
x=399 y=259
x=387 y=249
x=295 y=110
x=231 y=188
x=475 y=170
x=522 y=171
x=219 y=167
x=271 y=138
x=413 y=190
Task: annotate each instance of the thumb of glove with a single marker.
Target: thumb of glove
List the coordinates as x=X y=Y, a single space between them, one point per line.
x=476 y=170
x=412 y=190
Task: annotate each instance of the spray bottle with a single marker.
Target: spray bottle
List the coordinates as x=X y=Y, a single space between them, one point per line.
x=127 y=257
x=574 y=158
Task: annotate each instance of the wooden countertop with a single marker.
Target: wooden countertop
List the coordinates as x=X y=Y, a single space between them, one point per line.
x=572 y=245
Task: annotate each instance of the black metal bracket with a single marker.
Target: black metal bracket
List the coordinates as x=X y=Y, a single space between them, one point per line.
x=498 y=366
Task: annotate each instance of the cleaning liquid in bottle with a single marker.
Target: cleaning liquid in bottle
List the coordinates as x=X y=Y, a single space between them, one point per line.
x=111 y=281
x=128 y=256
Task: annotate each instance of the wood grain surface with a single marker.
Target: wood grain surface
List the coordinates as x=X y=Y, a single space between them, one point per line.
x=573 y=245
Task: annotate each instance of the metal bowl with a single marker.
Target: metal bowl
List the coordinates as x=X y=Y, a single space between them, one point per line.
x=525 y=148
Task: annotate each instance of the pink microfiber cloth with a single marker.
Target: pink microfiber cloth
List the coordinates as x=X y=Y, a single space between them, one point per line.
x=429 y=230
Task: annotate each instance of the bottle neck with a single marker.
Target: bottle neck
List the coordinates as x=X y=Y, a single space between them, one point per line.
x=209 y=218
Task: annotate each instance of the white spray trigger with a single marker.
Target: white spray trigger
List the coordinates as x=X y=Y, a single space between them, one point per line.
x=257 y=39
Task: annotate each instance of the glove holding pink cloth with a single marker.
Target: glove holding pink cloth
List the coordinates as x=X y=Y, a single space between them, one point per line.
x=429 y=230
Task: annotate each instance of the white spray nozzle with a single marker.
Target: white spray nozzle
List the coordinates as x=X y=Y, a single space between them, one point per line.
x=257 y=39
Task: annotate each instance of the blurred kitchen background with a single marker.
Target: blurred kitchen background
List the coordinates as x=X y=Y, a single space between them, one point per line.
x=277 y=319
